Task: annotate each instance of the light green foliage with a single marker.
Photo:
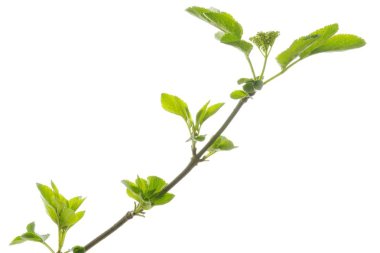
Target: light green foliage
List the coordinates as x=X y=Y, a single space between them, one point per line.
x=204 y=113
x=245 y=80
x=238 y=94
x=295 y=49
x=30 y=235
x=264 y=41
x=303 y=46
x=175 y=105
x=220 y=144
x=230 y=30
x=340 y=42
x=323 y=34
x=60 y=210
x=146 y=191
x=322 y=40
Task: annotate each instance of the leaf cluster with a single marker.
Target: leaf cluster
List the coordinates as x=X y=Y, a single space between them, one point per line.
x=230 y=31
x=222 y=143
x=30 y=235
x=319 y=41
x=176 y=105
x=147 y=192
x=61 y=210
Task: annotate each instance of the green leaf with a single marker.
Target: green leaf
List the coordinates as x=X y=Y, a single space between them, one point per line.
x=199 y=119
x=67 y=218
x=46 y=193
x=206 y=112
x=238 y=94
x=17 y=240
x=131 y=186
x=221 y=20
x=142 y=184
x=323 y=34
x=175 y=105
x=212 y=110
x=230 y=30
x=231 y=40
x=245 y=80
x=51 y=211
x=134 y=195
x=79 y=216
x=340 y=42
x=147 y=196
x=76 y=202
x=30 y=227
x=221 y=144
x=200 y=138
x=30 y=235
x=166 y=198
x=59 y=209
x=295 y=49
x=303 y=46
x=155 y=184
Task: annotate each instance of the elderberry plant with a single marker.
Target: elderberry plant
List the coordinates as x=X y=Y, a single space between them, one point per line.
x=153 y=191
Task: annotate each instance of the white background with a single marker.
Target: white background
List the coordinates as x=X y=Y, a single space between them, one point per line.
x=80 y=85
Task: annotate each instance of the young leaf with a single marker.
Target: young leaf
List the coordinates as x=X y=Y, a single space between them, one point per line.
x=30 y=235
x=175 y=105
x=323 y=34
x=166 y=198
x=295 y=49
x=67 y=218
x=146 y=192
x=17 y=240
x=222 y=144
x=79 y=216
x=245 y=80
x=51 y=211
x=303 y=46
x=142 y=184
x=76 y=202
x=212 y=110
x=206 y=112
x=200 y=138
x=155 y=184
x=59 y=209
x=340 y=42
x=230 y=30
x=238 y=94
x=30 y=227
x=199 y=119
x=243 y=45
x=221 y=20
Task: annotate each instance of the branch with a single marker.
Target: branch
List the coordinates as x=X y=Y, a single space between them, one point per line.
x=194 y=162
x=129 y=215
